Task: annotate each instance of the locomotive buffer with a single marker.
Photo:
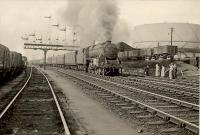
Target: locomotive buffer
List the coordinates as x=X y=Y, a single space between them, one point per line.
x=47 y=47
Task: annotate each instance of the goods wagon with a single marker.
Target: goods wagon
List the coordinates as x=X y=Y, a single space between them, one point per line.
x=134 y=54
x=172 y=50
x=123 y=55
x=4 y=60
x=16 y=59
x=49 y=60
x=41 y=61
x=81 y=56
x=129 y=55
x=146 y=52
x=81 y=61
x=70 y=58
x=37 y=62
x=16 y=62
x=60 y=59
x=24 y=61
x=11 y=63
x=165 y=51
x=54 y=60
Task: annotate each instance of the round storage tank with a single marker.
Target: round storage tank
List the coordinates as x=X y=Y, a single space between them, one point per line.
x=158 y=34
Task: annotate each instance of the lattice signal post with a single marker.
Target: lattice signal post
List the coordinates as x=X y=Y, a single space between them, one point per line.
x=47 y=47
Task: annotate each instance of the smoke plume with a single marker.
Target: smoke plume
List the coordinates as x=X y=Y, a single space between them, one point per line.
x=93 y=19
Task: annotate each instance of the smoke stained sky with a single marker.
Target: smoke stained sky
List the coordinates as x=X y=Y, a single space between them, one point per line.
x=18 y=17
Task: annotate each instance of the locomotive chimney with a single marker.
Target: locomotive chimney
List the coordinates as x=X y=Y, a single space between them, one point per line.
x=108 y=41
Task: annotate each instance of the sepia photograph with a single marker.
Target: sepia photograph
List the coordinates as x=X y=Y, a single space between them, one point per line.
x=99 y=67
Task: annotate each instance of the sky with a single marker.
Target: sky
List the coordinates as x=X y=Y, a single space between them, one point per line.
x=19 y=17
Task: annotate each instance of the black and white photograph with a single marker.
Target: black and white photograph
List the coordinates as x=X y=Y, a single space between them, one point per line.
x=99 y=67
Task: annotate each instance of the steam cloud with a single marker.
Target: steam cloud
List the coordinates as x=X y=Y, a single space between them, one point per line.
x=95 y=20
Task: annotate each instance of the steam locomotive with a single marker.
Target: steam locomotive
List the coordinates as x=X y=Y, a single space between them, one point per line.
x=101 y=58
x=11 y=63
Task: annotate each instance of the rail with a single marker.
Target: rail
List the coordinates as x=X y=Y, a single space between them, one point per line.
x=167 y=83
x=15 y=97
x=67 y=132
x=188 y=125
x=184 y=103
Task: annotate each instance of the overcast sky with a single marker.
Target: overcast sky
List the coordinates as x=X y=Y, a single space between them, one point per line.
x=18 y=17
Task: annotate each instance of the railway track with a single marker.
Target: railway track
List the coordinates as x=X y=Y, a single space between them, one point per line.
x=170 y=90
x=143 y=104
x=156 y=87
x=174 y=83
x=178 y=82
x=34 y=109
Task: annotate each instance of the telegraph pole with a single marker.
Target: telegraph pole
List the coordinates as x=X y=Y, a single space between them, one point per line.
x=171 y=30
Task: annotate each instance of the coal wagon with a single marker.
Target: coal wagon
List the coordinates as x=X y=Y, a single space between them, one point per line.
x=165 y=51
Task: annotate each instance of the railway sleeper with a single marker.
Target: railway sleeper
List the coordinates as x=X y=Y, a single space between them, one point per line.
x=157 y=103
x=195 y=96
x=128 y=107
x=183 y=125
x=167 y=107
x=190 y=106
x=103 y=94
x=186 y=115
x=113 y=99
x=160 y=122
x=136 y=111
x=193 y=120
x=171 y=130
x=107 y=96
x=176 y=110
x=32 y=114
x=145 y=116
x=121 y=104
